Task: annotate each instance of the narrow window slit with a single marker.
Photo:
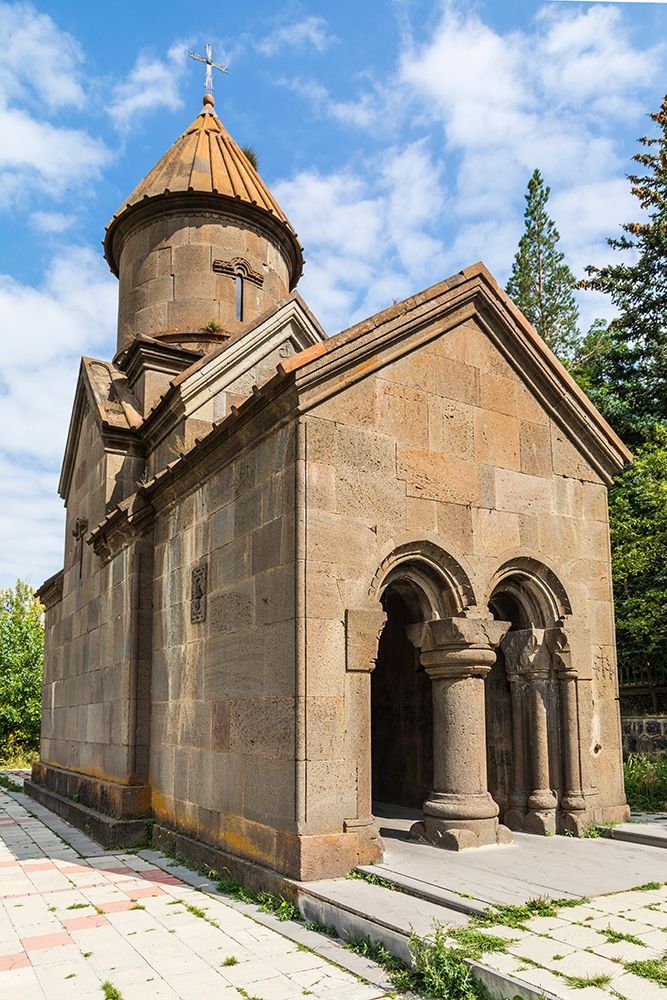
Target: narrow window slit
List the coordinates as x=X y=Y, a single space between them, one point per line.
x=239 y=297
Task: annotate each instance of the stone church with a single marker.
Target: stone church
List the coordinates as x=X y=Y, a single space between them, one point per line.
x=304 y=575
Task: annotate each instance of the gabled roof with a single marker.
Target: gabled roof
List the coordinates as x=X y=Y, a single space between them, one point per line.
x=326 y=368
x=367 y=346
x=102 y=387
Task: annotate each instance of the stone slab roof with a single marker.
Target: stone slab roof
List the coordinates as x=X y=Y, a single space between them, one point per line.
x=205 y=159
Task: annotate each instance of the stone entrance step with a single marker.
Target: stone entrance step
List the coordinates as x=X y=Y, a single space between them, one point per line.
x=442 y=897
x=648 y=834
x=357 y=909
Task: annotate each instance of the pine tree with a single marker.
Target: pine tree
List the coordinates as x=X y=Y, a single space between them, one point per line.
x=634 y=366
x=541 y=283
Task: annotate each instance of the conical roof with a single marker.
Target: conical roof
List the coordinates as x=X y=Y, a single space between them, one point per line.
x=203 y=160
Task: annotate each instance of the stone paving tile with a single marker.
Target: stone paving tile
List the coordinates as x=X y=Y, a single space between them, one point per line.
x=69 y=920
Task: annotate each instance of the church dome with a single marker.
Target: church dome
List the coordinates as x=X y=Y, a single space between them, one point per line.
x=212 y=199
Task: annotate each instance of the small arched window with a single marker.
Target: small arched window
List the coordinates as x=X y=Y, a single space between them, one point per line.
x=239 y=297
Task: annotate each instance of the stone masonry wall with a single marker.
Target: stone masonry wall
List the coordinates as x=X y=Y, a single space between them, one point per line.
x=167 y=281
x=446 y=445
x=86 y=676
x=222 y=756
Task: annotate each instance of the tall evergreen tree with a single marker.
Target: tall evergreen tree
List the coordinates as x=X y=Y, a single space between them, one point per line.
x=633 y=367
x=541 y=283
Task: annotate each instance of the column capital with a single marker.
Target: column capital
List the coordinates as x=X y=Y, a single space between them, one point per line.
x=558 y=641
x=458 y=647
x=526 y=653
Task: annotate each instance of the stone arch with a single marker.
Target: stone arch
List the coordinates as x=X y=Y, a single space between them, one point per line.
x=528 y=593
x=434 y=583
x=416 y=582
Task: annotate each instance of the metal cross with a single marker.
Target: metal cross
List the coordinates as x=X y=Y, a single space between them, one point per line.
x=210 y=66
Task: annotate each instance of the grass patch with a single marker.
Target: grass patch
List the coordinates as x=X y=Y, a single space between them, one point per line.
x=650 y=968
x=476 y=943
x=230 y=960
x=517 y=916
x=647 y=887
x=110 y=991
x=78 y=906
x=197 y=911
x=615 y=936
x=646 y=782
x=581 y=982
x=372 y=879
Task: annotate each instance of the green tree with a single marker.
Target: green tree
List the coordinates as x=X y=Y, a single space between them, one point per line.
x=638 y=516
x=541 y=283
x=21 y=663
x=633 y=366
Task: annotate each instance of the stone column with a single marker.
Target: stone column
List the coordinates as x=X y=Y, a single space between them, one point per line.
x=457 y=654
x=528 y=660
x=573 y=802
x=518 y=798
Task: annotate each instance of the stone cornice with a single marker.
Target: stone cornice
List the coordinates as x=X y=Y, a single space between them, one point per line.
x=51 y=591
x=217 y=206
x=192 y=387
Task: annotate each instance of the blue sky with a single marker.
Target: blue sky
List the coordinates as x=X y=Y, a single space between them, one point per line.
x=398 y=136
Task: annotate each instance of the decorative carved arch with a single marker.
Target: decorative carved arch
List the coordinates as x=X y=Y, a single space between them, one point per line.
x=429 y=576
x=534 y=588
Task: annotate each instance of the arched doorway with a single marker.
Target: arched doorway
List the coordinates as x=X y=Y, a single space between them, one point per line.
x=401 y=710
x=417 y=583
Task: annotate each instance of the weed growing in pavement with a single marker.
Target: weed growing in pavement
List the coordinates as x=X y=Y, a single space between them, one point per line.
x=86 y=954
x=650 y=968
x=581 y=982
x=78 y=906
x=647 y=887
x=245 y=994
x=615 y=936
x=373 y=879
x=197 y=911
x=230 y=960
x=110 y=991
x=517 y=915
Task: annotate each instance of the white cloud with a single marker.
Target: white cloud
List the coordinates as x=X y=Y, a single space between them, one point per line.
x=369 y=241
x=41 y=67
x=555 y=95
x=152 y=83
x=52 y=222
x=38 y=59
x=309 y=32
x=36 y=154
x=43 y=332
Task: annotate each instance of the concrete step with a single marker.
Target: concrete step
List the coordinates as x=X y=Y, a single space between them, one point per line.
x=647 y=834
x=427 y=890
x=360 y=910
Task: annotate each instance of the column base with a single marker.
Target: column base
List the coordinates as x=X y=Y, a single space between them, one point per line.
x=459 y=837
x=573 y=822
x=540 y=821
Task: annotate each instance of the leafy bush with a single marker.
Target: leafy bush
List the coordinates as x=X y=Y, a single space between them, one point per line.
x=646 y=782
x=21 y=664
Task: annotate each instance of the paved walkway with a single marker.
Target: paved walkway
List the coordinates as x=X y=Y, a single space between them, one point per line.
x=73 y=918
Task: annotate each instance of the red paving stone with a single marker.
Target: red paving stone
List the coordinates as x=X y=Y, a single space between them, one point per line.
x=143 y=892
x=156 y=875
x=46 y=941
x=117 y=906
x=82 y=923
x=123 y=870
x=18 y=961
x=42 y=866
x=75 y=869
x=9 y=864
